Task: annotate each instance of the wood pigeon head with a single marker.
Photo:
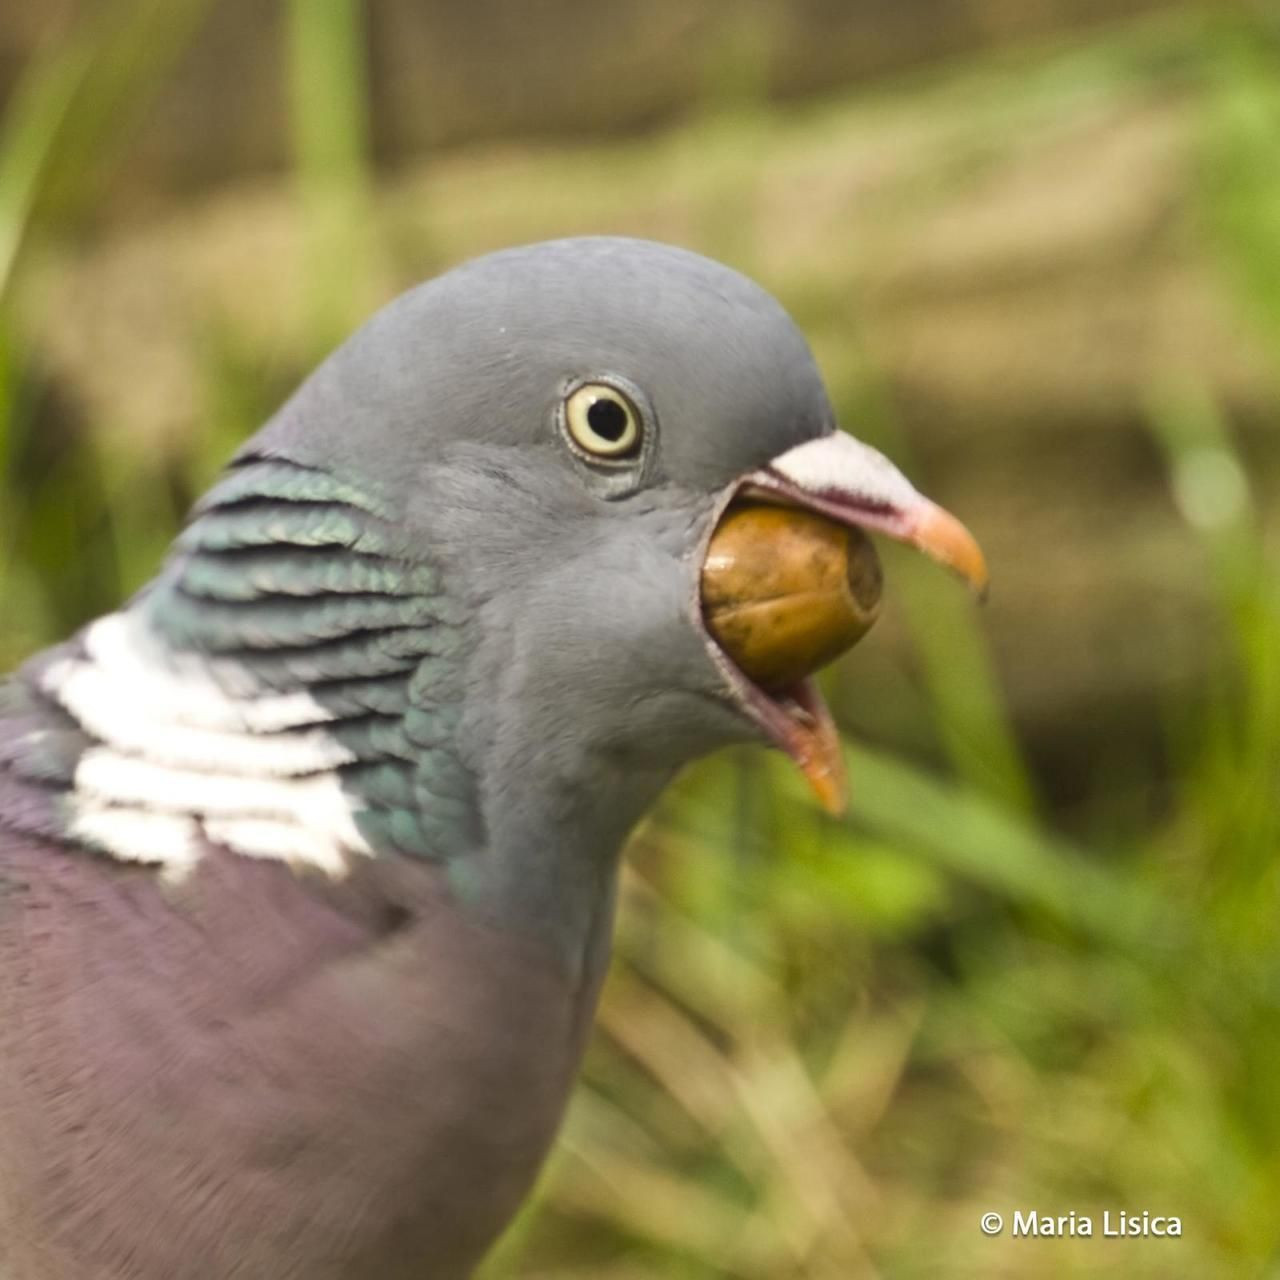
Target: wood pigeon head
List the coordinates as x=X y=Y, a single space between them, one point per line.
x=555 y=430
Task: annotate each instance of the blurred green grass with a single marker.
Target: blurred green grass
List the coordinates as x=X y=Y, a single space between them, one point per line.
x=826 y=1047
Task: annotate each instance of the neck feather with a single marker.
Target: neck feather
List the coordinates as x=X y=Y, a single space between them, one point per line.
x=284 y=688
x=290 y=688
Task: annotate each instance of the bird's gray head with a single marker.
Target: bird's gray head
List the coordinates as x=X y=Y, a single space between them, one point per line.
x=555 y=427
x=474 y=538
x=487 y=354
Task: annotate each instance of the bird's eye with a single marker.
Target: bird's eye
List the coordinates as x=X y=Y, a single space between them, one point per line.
x=602 y=422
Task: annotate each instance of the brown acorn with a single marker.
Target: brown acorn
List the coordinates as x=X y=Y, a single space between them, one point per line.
x=784 y=591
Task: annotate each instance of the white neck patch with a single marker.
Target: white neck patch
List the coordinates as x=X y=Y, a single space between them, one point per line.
x=187 y=753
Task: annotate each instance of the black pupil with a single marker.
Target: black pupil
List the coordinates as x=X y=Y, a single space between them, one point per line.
x=608 y=419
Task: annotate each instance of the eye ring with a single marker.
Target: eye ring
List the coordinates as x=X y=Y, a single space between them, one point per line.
x=602 y=423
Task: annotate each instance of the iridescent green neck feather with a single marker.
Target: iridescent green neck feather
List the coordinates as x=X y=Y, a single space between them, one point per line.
x=300 y=581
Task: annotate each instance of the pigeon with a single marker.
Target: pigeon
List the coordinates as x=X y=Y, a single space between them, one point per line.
x=309 y=851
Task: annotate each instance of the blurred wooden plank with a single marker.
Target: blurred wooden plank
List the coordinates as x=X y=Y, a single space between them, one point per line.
x=450 y=74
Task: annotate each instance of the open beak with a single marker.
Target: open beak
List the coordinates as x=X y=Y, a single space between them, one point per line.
x=781 y=572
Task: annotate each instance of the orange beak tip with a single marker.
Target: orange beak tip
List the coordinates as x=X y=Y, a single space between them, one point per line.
x=943 y=538
x=821 y=761
x=836 y=806
x=832 y=793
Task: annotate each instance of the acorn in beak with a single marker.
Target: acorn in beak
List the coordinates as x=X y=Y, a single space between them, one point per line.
x=791 y=580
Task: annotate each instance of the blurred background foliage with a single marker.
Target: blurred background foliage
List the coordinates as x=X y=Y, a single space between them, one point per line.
x=1037 y=249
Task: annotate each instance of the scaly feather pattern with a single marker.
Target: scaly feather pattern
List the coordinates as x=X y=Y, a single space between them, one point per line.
x=282 y=689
